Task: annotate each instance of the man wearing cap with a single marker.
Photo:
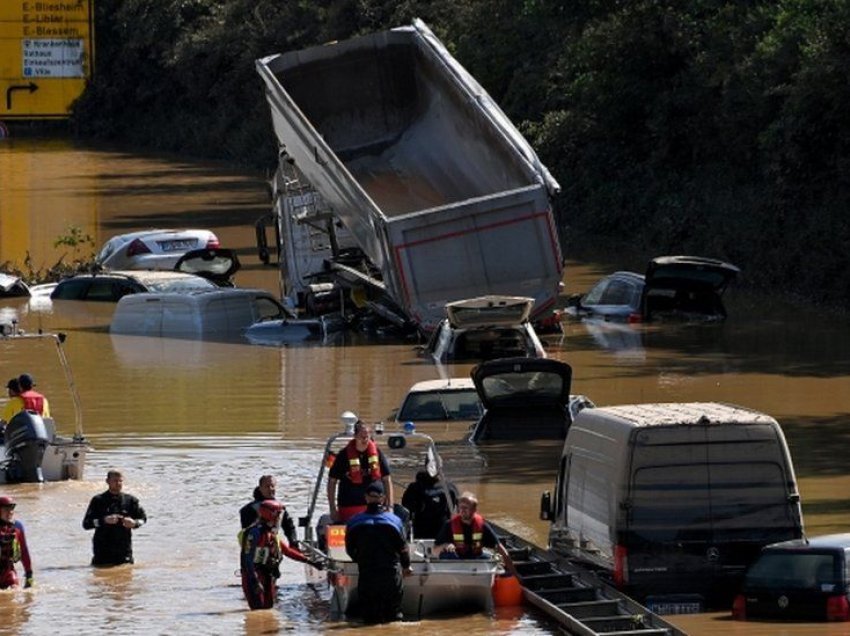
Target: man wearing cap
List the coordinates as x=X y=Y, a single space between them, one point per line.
x=375 y=540
x=13 y=547
x=355 y=467
x=32 y=399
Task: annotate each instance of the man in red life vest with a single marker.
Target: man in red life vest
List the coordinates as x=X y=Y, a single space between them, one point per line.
x=261 y=554
x=466 y=534
x=13 y=547
x=32 y=399
x=359 y=464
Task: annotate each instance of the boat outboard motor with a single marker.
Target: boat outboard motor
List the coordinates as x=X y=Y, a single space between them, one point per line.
x=26 y=440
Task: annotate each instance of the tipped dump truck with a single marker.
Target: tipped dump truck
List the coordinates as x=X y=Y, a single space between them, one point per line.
x=408 y=161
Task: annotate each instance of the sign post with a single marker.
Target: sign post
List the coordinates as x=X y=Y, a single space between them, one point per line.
x=46 y=50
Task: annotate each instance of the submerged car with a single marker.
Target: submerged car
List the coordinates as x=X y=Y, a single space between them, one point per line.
x=194 y=271
x=485 y=328
x=113 y=286
x=673 y=287
x=525 y=398
x=799 y=580
x=206 y=314
x=13 y=286
x=452 y=399
x=153 y=249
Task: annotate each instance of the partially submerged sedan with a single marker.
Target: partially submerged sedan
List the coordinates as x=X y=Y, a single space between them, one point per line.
x=673 y=287
x=195 y=271
x=13 y=286
x=448 y=400
x=485 y=328
x=153 y=249
x=524 y=399
x=799 y=580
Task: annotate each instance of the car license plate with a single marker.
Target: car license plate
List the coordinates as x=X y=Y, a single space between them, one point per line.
x=173 y=246
x=675 y=607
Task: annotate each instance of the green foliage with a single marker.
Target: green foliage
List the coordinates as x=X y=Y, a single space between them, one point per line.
x=81 y=260
x=711 y=126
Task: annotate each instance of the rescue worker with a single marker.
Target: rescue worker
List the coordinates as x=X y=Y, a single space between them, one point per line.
x=267 y=489
x=113 y=515
x=466 y=534
x=426 y=500
x=261 y=553
x=32 y=399
x=13 y=547
x=354 y=468
x=375 y=540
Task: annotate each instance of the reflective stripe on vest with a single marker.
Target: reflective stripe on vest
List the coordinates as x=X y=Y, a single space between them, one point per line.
x=462 y=548
x=355 y=473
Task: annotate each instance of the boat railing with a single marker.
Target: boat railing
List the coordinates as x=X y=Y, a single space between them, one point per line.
x=11 y=332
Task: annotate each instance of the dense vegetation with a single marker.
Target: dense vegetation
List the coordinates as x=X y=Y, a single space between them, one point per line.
x=708 y=127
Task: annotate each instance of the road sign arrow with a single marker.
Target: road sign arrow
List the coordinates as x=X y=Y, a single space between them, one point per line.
x=31 y=87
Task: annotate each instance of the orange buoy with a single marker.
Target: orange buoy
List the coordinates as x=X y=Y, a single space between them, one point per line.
x=507 y=591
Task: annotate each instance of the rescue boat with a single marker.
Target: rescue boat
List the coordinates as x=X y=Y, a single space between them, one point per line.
x=31 y=451
x=435 y=586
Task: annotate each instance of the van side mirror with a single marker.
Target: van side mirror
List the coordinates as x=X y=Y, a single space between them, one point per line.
x=546 y=506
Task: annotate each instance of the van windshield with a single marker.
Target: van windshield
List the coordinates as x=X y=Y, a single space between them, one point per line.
x=722 y=500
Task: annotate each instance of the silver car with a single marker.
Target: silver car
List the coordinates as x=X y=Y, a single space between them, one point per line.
x=153 y=249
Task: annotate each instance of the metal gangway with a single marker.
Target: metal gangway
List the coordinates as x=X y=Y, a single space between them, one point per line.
x=575 y=597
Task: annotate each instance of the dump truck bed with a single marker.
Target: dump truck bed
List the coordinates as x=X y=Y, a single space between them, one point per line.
x=436 y=185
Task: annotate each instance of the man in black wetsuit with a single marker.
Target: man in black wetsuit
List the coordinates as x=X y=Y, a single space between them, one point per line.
x=267 y=489
x=113 y=515
x=375 y=540
x=426 y=500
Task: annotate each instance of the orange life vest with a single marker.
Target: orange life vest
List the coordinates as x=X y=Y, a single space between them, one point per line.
x=33 y=401
x=355 y=474
x=463 y=549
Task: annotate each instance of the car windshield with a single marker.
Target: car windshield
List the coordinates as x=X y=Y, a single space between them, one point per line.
x=794 y=570
x=441 y=405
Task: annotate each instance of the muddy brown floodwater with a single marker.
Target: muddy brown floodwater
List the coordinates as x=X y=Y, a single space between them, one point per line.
x=194 y=424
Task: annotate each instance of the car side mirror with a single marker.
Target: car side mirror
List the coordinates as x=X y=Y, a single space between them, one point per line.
x=546 y=506
x=574 y=300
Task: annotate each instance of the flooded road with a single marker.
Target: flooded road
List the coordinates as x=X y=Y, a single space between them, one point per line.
x=193 y=424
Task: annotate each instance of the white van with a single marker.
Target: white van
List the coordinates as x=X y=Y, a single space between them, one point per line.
x=212 y=313
x=673 y=499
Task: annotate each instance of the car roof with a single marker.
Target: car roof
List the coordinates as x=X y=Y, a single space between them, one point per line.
x=448 y=384
x=151 y=232
x=690 y=271
x=839 y=541
x=141 y=275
